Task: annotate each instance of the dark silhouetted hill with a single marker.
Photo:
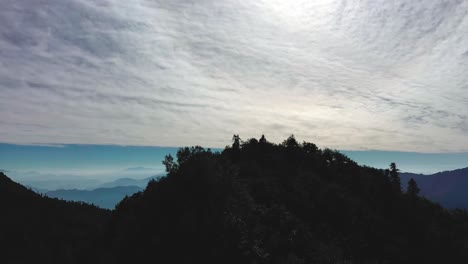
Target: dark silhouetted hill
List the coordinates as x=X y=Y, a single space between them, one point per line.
x=37 y=229
x=449 y=188
x=102 y=197
x=258 y=202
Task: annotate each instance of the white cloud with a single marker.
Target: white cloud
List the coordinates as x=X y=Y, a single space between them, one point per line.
x=346 y=74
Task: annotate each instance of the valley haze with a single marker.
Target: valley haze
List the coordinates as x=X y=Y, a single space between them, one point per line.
x=92 y=166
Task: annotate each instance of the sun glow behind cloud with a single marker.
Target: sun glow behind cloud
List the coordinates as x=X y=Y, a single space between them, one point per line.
x=343 y=74
x=300 y=14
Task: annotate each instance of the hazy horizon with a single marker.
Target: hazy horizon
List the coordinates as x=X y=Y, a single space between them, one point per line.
x=89 y=166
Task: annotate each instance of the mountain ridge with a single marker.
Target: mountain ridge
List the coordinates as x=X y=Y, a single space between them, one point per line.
x=103 y=197
x=446 y=187
x=48 y=230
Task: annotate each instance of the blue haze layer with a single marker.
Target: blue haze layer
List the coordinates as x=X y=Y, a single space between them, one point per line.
x=91 y=166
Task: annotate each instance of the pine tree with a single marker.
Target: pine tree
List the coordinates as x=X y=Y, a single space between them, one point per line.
x=413 y=189
x=395 y=177
x=291 y=142
x=236 y=142
x=169 y=163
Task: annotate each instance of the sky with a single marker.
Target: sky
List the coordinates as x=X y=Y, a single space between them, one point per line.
x=80 y=166
x=354 y=75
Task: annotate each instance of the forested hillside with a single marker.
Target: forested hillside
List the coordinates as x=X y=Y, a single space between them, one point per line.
x=37 y=229
x=258 y=202
x=254 y=202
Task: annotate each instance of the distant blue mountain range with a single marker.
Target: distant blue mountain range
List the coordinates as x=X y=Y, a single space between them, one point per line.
x=449 y=188
x=107 y=196
x=130 y=182
x=102 y=197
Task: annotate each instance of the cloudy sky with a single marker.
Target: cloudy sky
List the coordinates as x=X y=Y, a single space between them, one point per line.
x=375 y=74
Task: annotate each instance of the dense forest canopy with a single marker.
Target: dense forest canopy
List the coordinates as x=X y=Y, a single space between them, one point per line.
x=259 y=202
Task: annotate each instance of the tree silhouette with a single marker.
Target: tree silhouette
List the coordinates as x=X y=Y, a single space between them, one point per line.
x=395 y=177
x=236 y=142
x=169 y=163
x=291 y=142
x=413 y=189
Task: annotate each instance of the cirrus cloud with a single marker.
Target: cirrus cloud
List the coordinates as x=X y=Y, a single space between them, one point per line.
x=377 y=74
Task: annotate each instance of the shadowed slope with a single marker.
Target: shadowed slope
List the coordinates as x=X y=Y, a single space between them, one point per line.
x=258 y=202
x=44 y=230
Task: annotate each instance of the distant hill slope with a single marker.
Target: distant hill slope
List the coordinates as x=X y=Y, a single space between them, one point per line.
x=102 y=197
x=36 y=229
x=449 y=188
x=130 y=182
